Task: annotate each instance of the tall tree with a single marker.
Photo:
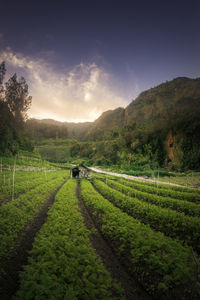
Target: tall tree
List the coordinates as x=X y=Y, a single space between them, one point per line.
x=2 y=75
x=14 y=103
x=17 y=98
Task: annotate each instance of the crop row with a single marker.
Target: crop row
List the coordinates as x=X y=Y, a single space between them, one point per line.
x=7 y=191
x=158 y=185
x=163 y=266
x=193 y=197
x=6 y=177
x=189 y=208
x=172 y=223
x=15 y=214
x=167 y=186
x=24 y=162
x=62 y=264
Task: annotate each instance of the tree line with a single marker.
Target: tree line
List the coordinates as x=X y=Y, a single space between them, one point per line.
x=38 y=131
x=14 y=104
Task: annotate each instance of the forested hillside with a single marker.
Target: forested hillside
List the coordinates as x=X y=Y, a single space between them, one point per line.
x=167 y=118
x=161 y=127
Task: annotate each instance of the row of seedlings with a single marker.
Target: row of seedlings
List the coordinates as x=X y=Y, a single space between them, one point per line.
x=62 y=264
x=168 y=186
x=193 y=196
x=171 y=189
x=170 y=222
x=16 y=214
x=164 y=267
x=14 y=189
x=188 y=208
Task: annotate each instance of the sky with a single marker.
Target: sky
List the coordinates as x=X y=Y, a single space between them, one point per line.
x=83 y=57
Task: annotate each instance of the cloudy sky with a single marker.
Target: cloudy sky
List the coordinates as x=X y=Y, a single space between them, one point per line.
x=82 y=57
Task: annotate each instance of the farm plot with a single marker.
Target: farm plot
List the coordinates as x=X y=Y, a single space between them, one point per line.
x=162 y=190
x=155 y=245
x=24 y=162
x=166 y=268
x=170 y=222
x=12 y=187
x=6 y=177
x=62 y=264
x=15 y=214
x=152 y=195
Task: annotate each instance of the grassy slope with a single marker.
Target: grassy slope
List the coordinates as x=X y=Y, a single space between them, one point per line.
x=190 y=179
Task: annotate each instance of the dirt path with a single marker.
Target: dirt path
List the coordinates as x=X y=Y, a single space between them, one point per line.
x=132 y=177
x=12 y=266
x=111 y=262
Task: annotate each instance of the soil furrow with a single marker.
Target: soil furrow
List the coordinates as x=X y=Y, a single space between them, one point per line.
x=9 y=284
x=111 y=262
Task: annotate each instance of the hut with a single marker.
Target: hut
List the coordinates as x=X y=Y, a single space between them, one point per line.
x=79 y=172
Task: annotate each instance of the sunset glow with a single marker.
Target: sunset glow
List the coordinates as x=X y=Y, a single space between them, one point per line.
x=93 y=59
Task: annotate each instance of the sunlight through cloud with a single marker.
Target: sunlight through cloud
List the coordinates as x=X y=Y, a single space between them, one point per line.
x=82 y=93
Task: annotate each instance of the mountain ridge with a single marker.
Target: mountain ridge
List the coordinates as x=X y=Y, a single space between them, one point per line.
x=178 y=81
x=164 y=119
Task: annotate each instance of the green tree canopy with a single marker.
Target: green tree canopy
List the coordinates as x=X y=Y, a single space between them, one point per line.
x=17 y=98
x=14 y=103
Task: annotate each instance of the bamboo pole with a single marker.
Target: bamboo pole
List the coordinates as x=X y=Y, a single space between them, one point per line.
x=13 y=178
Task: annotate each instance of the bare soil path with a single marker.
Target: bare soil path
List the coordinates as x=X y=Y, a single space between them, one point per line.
x=111 y=262
x=139 y=178
x=9 y=284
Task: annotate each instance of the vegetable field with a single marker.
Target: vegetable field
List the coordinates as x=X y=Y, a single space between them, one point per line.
x=104 y=238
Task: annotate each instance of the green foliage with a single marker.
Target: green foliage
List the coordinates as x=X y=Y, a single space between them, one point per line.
x=28 y=161
x=37 y=130
x=163 y=266
x=170 y=222
x=135 y=138
x=179 y=193
x=62 y=264
x=21 y=183
x=17 y=98
x=153 y=195
x=14 y=103
x=18 y=212
x=189 y=179
x=29 y=154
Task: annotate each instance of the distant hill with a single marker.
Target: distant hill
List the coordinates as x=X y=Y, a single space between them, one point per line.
x=162 y=102
x=49 y=128
x=110 y=120
x=156 y=103
x=164 y=119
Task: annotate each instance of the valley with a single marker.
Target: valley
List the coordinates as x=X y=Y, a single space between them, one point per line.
x=106 y=237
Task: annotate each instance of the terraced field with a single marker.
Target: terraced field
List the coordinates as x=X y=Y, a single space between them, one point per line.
x=107 y=238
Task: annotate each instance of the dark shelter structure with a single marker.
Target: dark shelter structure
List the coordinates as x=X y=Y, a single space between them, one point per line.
x=79 y=172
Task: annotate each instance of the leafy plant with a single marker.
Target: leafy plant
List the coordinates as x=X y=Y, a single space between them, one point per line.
x=162 y=265
x=62 y=263
x=170 y=222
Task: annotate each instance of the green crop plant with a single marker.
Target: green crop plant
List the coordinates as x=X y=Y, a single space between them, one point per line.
x=62 y=264
x=170 y=222
x=163 y=266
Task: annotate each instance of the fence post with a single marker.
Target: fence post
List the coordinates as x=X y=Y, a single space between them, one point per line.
x=13 y=183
